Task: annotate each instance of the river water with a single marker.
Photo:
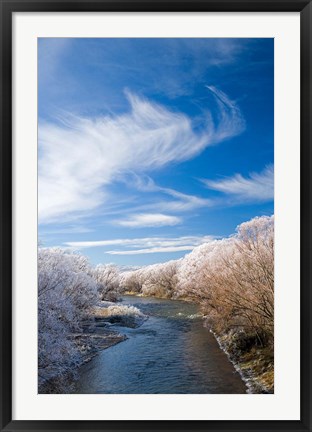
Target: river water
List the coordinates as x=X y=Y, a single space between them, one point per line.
x=170 y=353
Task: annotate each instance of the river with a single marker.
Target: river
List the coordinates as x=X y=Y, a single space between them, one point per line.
x=170 y=353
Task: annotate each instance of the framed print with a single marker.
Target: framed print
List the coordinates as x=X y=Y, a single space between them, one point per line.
x=155 y=215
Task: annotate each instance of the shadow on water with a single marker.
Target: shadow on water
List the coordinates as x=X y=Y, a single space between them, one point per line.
x=171 y=353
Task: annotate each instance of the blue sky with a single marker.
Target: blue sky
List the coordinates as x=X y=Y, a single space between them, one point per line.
x=149 y=147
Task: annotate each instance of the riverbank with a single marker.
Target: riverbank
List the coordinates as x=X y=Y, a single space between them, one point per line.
x=89 y=344
x=96 y=336
x=255 y=364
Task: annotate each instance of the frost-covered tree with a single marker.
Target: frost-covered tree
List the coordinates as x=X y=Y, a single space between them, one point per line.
x=131 y=281
x=160 y=279
x=107 y=278
x=66 y=291
x=157 y=280
x=233 y=280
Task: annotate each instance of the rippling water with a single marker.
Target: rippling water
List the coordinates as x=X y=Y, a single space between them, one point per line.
x=170 y=353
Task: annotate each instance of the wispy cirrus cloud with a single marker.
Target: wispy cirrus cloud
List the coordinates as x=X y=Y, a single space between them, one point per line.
x=136 y=246
x=182 y=202
x=144 y=220
x=151 y=250
x=255 y=187
x=79 y=157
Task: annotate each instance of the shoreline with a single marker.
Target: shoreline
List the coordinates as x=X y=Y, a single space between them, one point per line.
x=252 y=367
x=90 y=345
x=95 y=336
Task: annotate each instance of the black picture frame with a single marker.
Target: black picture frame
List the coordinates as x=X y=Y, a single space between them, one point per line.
x=8 y=7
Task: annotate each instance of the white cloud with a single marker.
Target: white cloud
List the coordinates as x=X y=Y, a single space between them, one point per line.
x=144 y=242
x=149 y=220
x=151 y=250
x=256 y=187
x=182 y=202
x=229 y=114
x=97 y=243
x=80 y=157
